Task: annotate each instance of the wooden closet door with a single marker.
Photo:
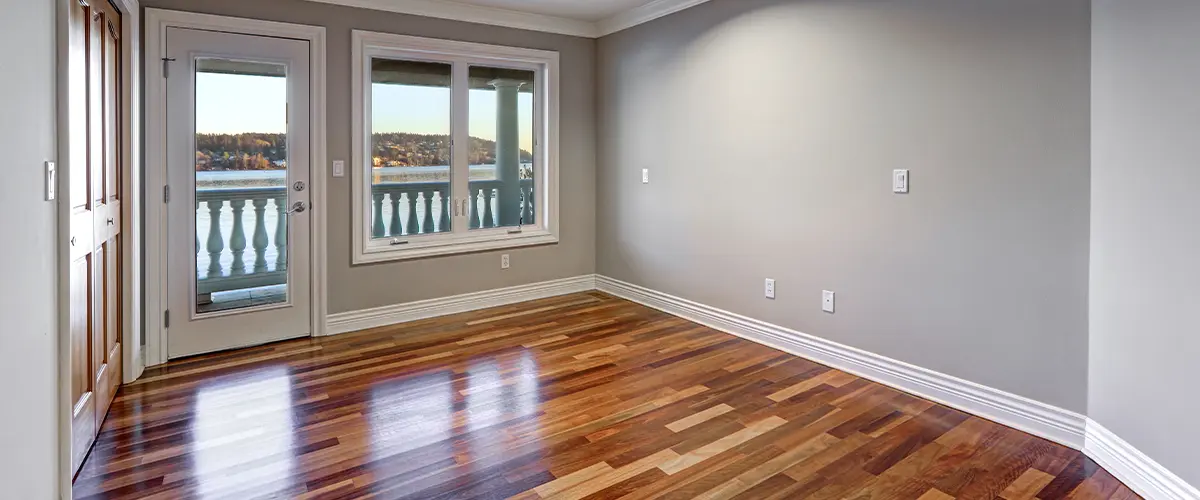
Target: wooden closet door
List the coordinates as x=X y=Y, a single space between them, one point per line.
x=96 y=240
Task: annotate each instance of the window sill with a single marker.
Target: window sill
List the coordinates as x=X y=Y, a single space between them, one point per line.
x=440 y=248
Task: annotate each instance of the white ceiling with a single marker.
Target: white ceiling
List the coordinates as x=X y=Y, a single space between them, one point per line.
x=583 y=10
x=586 y=18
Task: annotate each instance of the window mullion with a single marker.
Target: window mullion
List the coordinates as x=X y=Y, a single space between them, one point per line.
x=460 y=152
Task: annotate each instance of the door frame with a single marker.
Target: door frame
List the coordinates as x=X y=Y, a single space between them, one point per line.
x=131 y=201
x=157 y=22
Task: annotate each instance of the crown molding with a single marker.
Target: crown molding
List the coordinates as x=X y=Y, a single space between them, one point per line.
x=458 y=11
x=643 y=14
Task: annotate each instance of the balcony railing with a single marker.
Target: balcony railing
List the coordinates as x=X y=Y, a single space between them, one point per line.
x=256 y=220
x=407 y=208
x=222 y=263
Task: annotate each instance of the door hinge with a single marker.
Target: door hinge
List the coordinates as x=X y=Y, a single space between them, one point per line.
x=167 y=318
x=166 y=194
x=167 y=66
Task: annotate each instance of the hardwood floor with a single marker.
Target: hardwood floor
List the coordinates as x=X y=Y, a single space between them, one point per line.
x=580 y=396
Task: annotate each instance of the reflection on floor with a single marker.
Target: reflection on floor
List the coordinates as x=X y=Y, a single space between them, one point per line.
x=247 y=297
x=579 y=396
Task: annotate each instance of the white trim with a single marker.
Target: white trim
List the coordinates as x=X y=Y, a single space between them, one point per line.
x=643 y=14
x=402 y=313
x=157 y=22
x=458 y=11
x=1056 y=424
x=1138 y=471
x=545 y=65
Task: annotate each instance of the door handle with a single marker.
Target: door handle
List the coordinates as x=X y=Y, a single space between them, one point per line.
x=297 y=207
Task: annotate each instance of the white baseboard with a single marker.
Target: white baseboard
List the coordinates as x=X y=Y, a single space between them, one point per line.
x=401 y=313
x=1145 y=476
x=1037 y=418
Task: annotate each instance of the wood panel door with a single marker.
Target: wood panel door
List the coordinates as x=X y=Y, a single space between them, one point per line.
x=95 y=202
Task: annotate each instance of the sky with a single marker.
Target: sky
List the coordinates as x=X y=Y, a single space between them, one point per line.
x=232 y=104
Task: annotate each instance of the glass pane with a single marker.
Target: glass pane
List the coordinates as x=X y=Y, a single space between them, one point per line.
x=501 y=129
x=410 y=148
x=241 y=184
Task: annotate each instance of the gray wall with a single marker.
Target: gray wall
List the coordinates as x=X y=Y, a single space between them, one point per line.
x=771 y=128
x=28 y=304
x=1145 y=273
x=360 y=287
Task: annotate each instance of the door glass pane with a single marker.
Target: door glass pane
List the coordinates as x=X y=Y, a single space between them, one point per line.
x=501 y=129
x=241 y=184
x=410 y=148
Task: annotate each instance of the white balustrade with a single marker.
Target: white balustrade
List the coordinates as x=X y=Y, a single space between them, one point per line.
x=223 y=265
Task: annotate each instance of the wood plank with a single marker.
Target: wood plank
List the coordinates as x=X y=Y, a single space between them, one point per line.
x=497 y=403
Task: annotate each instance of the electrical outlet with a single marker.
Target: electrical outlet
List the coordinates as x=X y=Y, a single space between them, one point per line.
x=339 y=168
x=770 y=288
x=645 y=176
x=827 y=301
x=900 y=181
x=504 y=262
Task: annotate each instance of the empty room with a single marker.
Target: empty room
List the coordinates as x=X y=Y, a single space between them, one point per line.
x=600 y=249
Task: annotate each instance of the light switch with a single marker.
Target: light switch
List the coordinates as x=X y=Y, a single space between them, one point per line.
x=51 y=180
x=827 y=301
x=900 y=181
x=339 y=168
x=645 y=176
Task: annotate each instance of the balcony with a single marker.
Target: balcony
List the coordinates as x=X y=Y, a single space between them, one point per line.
x=251 y=252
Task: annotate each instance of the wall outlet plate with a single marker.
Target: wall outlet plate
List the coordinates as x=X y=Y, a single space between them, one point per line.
x=505 y=262
x=770 y=288
x=827 y=301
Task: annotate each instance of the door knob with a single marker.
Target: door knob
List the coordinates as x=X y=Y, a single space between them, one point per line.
x=297 y=207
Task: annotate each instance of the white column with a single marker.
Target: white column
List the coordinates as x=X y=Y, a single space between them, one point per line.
x=508 y=150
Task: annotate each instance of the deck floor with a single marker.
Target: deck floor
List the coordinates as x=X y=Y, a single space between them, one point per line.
x=579 y=396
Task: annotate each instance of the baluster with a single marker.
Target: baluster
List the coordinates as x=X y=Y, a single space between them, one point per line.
x=444 y=222
x=427 y=221
x=488 y=216
x=281 y=234
x=394 y=228
x=377 y=222
x=532 y=204
x=215 y=242
x=474 y=208
x=260 y=235
x=526 y=205
x=237 y=239
x=411 y=225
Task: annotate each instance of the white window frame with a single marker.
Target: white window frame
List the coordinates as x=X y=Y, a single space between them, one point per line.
x=461 y=55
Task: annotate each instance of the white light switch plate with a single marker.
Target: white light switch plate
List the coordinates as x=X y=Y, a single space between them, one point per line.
x=51 y=180
x=770 y=288
x=339 y=168
x=827 y=301
x=900 y=181
x=645 y=176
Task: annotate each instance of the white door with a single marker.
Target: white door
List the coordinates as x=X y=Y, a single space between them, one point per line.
x=238 y=210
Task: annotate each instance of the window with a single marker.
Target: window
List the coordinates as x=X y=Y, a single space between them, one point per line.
x=456 y=147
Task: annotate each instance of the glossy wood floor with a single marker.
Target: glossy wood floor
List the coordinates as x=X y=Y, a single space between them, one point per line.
x=580 y=396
